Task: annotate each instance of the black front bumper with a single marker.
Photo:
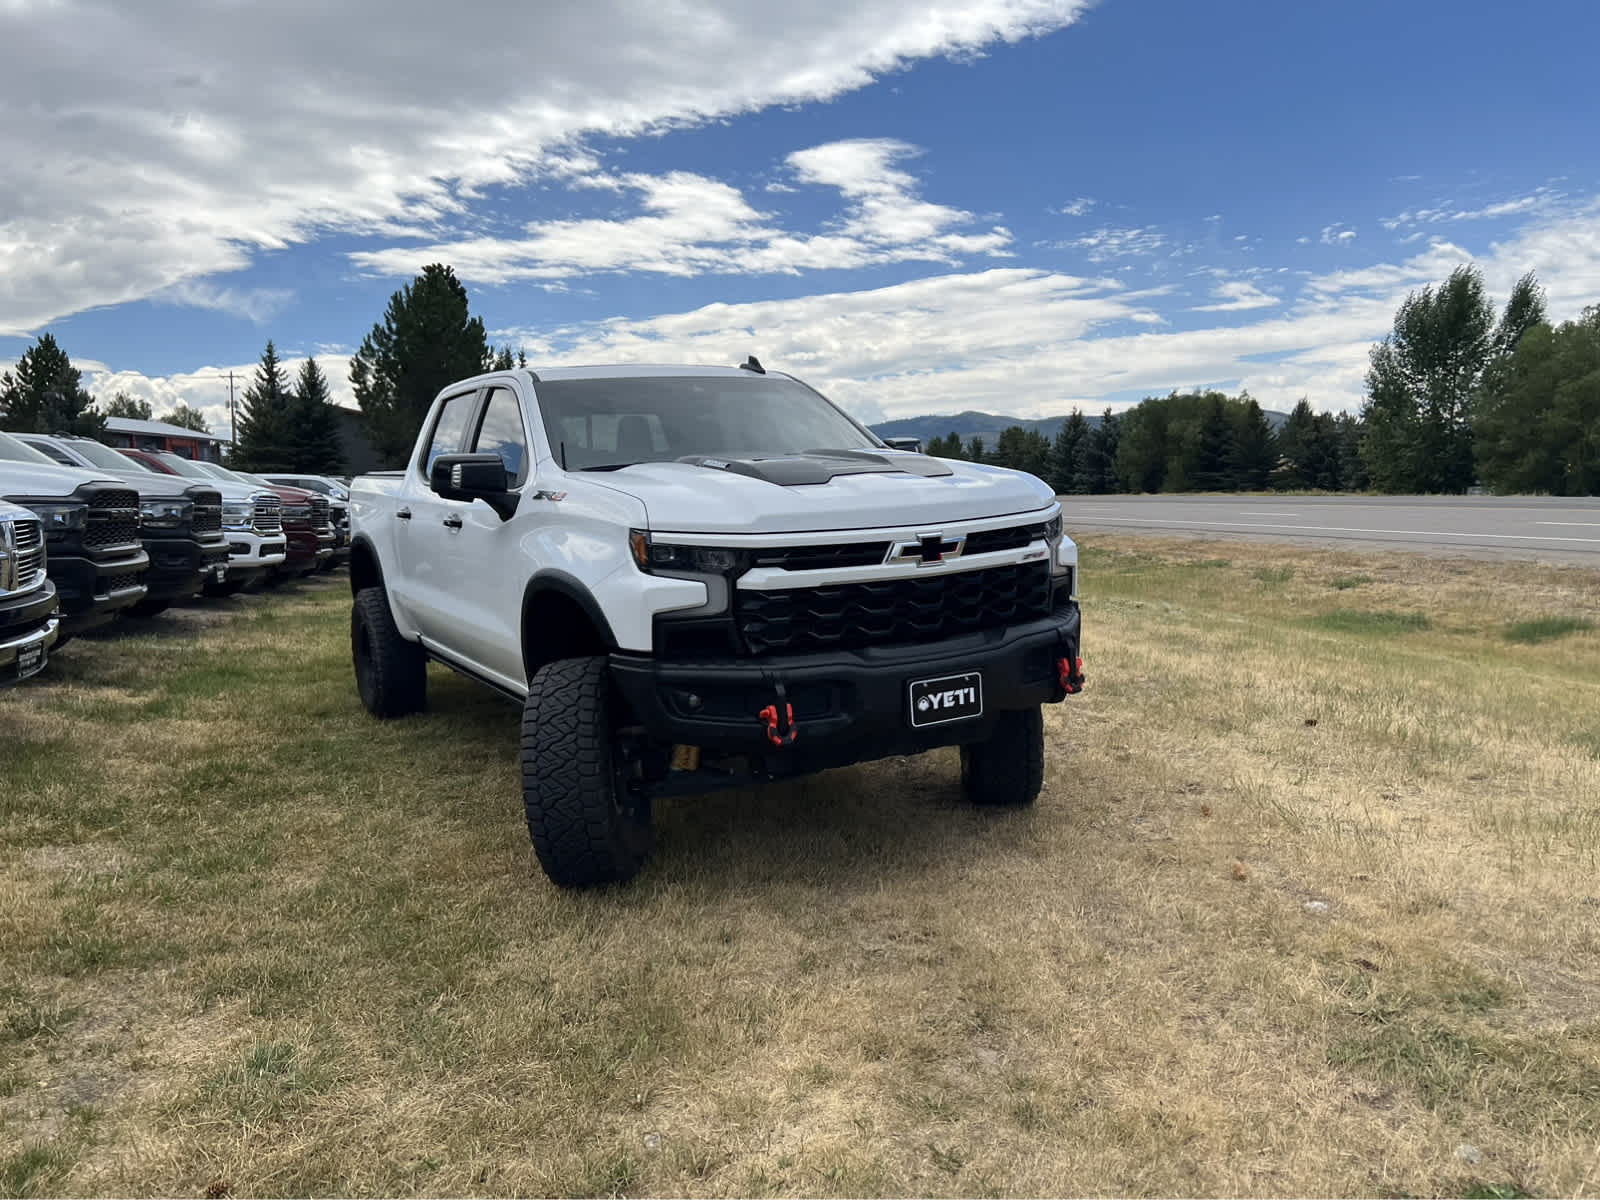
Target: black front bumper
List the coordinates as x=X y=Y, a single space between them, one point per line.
x=849 y=706
x=180 y=565
x=93 y=591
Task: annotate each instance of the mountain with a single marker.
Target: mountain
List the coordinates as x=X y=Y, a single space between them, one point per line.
x=988 y=426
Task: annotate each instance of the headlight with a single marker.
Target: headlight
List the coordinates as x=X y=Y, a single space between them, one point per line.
x=297 y=512
x=165 y=514
x=700 y=560
x=238 y=515
x=60 y=519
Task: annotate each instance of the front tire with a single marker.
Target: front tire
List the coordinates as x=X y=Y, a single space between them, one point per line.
x=391 y=673
x=1007 y=769
x=588 y=826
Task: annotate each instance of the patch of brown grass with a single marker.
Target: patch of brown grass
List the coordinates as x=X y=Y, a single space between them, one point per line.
x=1301 y=910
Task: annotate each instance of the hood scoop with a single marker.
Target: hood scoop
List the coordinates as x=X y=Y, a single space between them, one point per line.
x=812 y=467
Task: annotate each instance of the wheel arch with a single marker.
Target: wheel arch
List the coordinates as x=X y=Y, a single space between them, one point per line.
x=560 y=619
x=365 y=569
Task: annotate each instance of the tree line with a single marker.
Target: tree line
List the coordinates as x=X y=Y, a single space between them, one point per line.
x=44 y=393
x=1455 y=399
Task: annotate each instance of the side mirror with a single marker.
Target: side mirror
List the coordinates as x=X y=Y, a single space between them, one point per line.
x=474 y=477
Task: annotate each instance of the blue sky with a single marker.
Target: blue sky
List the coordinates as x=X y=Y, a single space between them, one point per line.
x=1017 y=205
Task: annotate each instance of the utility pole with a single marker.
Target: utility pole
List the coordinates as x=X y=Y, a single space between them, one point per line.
x=233 y=428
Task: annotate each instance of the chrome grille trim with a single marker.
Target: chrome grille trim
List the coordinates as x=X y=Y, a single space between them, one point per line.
x=268 y=516
x=25 y=548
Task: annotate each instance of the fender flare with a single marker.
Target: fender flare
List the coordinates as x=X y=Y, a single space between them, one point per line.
x=554 y=582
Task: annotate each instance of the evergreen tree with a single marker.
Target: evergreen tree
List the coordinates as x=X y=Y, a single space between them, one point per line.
x=1063 y=462
x=1254 y=449
x=1348 y=432
x=45 y=394
x=265 y=440
x=975 y=452
x=317 y=446
x=1538 y=419
x=124 y=405
x=187 y=418
x=1215 y=449
x=502 y=360
x=1308 y=451
x=427 y=339
x=1096 y=473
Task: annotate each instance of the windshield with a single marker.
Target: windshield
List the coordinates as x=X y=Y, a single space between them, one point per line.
x=104 y=456
x=183 y=466
x=601 y=423
x=13 y=450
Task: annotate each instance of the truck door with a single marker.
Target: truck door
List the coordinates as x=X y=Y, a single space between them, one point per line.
x=487 y=556
x=427 y=589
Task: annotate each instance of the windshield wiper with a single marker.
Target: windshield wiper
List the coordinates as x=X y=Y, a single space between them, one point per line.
x=609 y=467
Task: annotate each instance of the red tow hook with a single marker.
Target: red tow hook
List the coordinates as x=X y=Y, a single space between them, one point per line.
x=1071 y=673
x=784 y=734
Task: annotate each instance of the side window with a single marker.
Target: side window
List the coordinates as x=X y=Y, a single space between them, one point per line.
x=501 y=433
x=448 y=428
x=55 y=452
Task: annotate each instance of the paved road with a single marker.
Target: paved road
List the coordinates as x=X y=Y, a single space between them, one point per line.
x=1476 y=526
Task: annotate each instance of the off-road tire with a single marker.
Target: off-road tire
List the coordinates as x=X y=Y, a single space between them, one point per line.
x=391 y=673
x=587 y=827
x=1007 y=769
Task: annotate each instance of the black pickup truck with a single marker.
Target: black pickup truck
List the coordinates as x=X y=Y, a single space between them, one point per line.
x=91 y=528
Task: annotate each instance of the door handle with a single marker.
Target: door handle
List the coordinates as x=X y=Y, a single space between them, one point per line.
x=452 y=522
x=403 y=514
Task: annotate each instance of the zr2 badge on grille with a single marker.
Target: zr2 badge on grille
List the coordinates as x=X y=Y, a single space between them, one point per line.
x=948 y=698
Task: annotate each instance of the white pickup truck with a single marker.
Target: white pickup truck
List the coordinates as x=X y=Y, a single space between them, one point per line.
x=702 y=577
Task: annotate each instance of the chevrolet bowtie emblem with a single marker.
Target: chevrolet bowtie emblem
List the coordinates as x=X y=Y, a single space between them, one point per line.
x=928 y=550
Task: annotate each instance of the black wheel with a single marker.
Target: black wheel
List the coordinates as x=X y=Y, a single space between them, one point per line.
x=148 y=607
x=1007 y=768
x=227 y=587
x=391 y=673
x=588 y=825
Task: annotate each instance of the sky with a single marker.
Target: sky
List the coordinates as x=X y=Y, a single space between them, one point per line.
x=919 y=206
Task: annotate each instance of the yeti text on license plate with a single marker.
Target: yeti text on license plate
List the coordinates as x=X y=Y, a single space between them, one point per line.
x=948 y=698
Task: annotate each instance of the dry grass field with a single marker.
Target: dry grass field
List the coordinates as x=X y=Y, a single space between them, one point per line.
x=1310 y=905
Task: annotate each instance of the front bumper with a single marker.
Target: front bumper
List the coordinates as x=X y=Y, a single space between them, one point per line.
x=93 y=591
x=28 y=628
x=308 y=549
x=250 y=553
x=179 y=565
x=849 y=706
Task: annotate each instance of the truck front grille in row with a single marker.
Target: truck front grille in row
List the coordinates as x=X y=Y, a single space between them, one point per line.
x=208 y=517
x=895 y=612
x=268 y=515
x=121 y=583
x=319 y=514
x=22 y=573
x=113 y=520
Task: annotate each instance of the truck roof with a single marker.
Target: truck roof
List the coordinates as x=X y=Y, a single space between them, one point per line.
x=621 y=371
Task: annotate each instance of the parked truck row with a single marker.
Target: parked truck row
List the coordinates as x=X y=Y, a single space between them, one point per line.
x=89 y=534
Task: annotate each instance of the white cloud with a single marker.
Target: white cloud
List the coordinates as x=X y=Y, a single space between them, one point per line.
x=1337 y=235
x=1079 y=207
x=170 y=158
x=1539 y=200
x=1103 y=245
x=693 y=225
x=1236 y=295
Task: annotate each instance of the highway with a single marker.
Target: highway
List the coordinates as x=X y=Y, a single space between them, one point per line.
x=1542 y=528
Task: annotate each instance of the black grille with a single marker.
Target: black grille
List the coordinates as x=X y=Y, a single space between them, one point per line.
x=119 y=583
x=987 y=541
x=894 y=612
x=821 y=558
x=113 y=519
x=319 y=513
x=207 y=510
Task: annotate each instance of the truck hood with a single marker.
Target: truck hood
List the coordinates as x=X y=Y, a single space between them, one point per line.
x=38 y=481
x=803 y=493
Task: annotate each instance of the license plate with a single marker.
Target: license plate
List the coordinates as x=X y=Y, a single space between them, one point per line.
x=30 y=661
x=948 y=698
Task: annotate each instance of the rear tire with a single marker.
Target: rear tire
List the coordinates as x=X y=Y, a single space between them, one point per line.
x=1007 y=769
x=391 y=673
x=588 y=827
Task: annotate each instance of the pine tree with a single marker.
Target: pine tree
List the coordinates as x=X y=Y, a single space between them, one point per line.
x=45 y=394
x=124 y=405
x=502 y=360
x=1096 y=473
x=1214 y=448
x=1254 y=451
x=1063 y=464
x=265 y=439
x=315 y=434
x=426 y=340
x=975 y=451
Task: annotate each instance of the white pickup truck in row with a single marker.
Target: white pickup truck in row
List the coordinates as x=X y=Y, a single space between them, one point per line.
x=700 y=577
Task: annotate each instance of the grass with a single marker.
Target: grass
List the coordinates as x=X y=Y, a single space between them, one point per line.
x=1546 y=629
x=1292 y=916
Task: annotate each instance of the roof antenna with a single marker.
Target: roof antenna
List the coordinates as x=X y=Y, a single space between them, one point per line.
x=753 y=364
